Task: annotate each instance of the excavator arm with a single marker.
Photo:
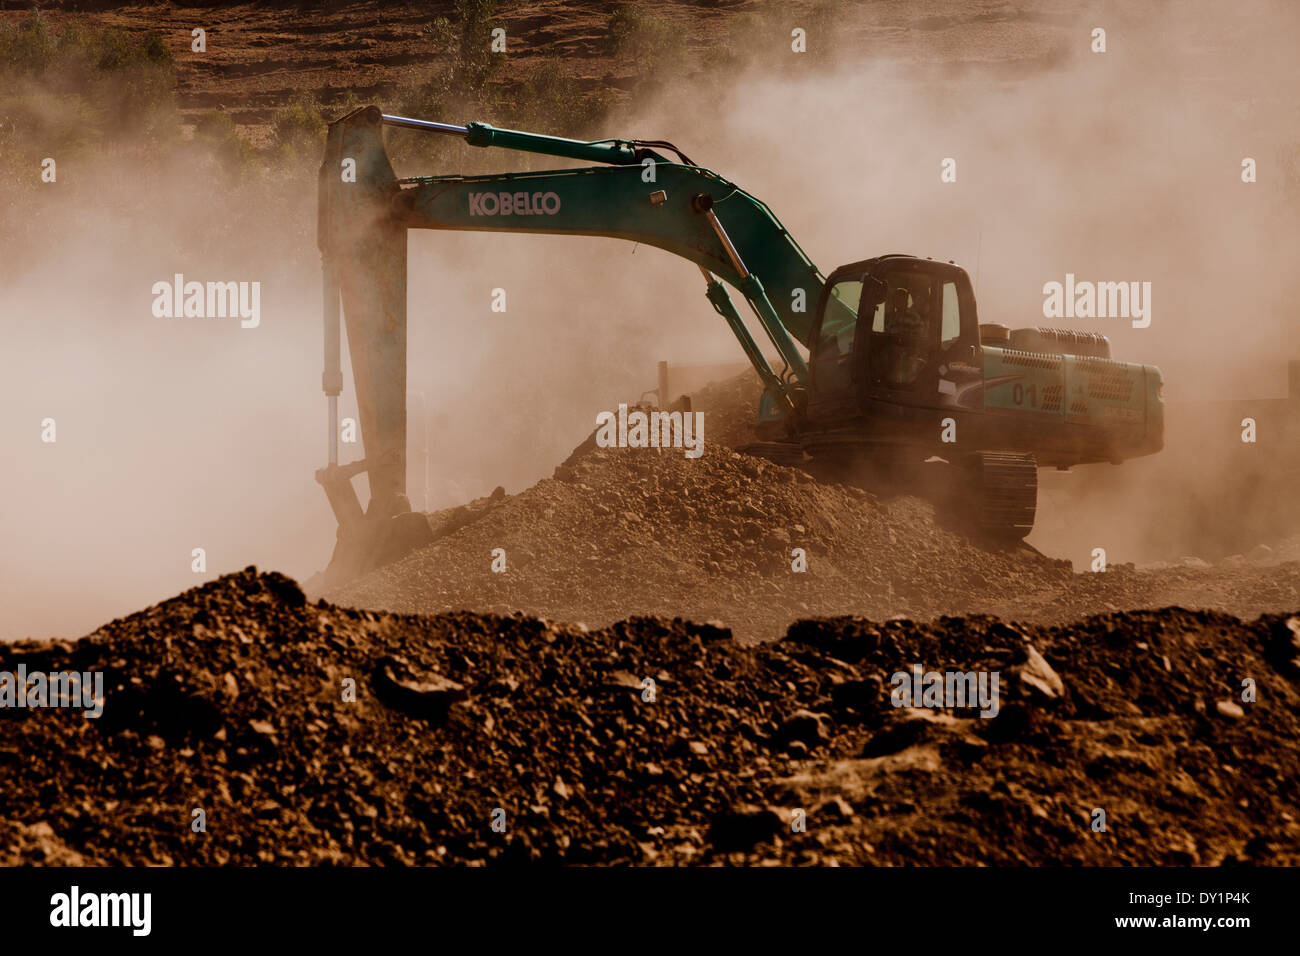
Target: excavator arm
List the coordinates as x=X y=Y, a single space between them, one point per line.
x=636 y=193
x=671 y=212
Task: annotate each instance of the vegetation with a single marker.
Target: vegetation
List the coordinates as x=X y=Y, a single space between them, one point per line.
x=124 y=83
x=655 y=48
x=74 y=90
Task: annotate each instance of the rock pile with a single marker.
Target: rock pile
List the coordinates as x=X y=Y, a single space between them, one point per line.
x=308 y=733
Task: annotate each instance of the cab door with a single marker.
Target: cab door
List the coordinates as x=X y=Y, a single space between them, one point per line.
x=831 y=395
x=918 y=337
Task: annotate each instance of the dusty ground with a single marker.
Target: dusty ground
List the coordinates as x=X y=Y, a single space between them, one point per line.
x=232 y=698
x=626 y=531
x=229 y=699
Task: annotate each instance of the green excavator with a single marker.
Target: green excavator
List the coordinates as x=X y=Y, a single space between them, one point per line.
x=884 y=366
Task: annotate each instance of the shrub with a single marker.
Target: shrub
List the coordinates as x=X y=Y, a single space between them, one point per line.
x=299 y=127
x=217 y=133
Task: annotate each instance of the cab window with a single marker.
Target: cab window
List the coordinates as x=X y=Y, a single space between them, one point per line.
x=908 y=305
x=906 y=322
x=840 y=319
x=950 y=326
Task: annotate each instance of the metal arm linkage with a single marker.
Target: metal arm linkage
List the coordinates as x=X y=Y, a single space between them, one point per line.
x=635 y=193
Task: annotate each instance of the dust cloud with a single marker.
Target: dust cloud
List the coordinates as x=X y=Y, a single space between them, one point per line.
x=1116 y=166
x=175 y=434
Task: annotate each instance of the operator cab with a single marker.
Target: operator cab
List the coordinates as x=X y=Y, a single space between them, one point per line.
x=895 y=330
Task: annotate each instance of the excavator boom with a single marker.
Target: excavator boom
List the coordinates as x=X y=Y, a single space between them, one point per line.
x=636 y=194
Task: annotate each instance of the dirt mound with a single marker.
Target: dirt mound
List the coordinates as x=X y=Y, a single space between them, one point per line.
x=621 y=532
x=1288 y=549
x=729 y=408
x=230 y=699
x=1242 y=590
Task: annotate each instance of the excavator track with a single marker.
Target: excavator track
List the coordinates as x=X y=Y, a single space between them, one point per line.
x=1004 y=494
x=995 y=494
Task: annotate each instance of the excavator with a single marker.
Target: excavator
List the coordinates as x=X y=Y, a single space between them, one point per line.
x=883 y=366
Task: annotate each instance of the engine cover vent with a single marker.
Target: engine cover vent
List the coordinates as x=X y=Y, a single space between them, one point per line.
x=1061 y=342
